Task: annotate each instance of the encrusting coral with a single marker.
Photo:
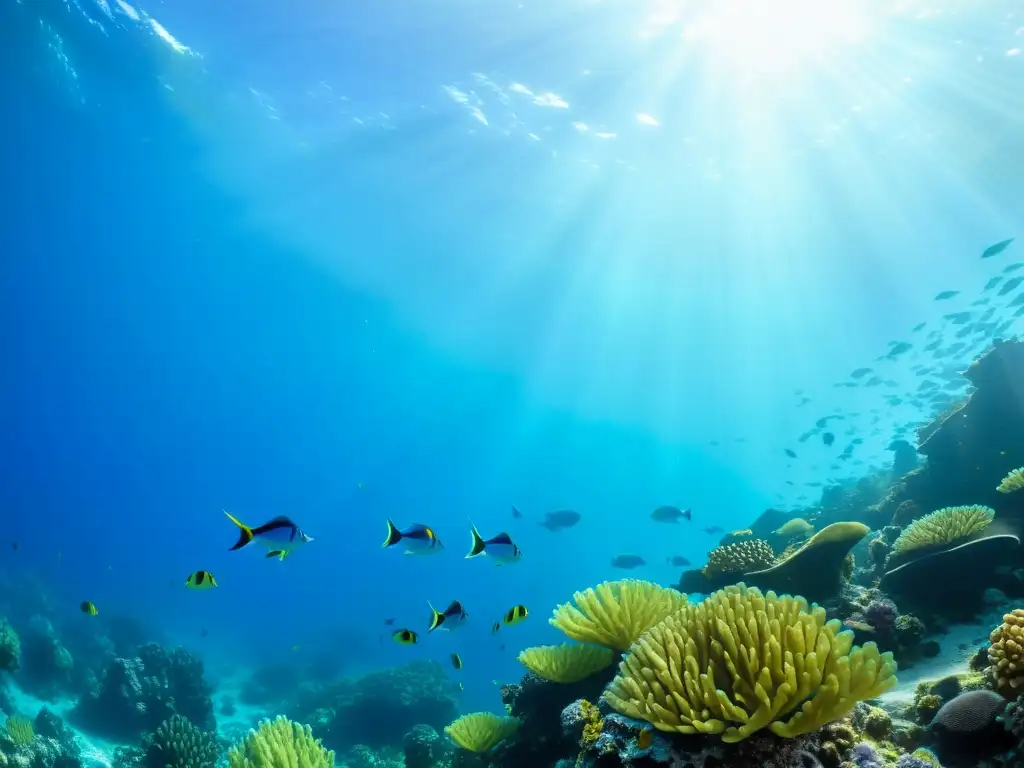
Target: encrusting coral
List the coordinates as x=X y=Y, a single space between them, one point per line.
x=280 y=743
x=1006 y=654
x=1014 y=481
x=943 y=526
x=615 y=613
x=566 y=663
x=741 y=557
x=743 y=658
x=481 y=731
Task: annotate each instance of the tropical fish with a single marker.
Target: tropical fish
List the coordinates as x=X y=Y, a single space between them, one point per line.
x=628 y=562
x=995 y=250
x=201 y=580
x=514 y=616
x=418 y=539
x=500 y=547
x=389 y=622
x=828 y=438
x=405 y=637
x=678 y=561
x=670 y=514
x=456 y=661
x=281 y=536
x=562 y=518
x=795 y=527
x=495 y=627
x=453 y=617
x=89 y=608
x=790 y=453
x=946 y=295
x=516 y=513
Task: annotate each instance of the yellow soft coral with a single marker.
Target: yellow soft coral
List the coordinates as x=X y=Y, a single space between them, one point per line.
x=20 y=730
x=566 y=663
x=1012 y=482
x=944 y=526
x=1006 y=654
x=280 y=743
x=616 y=613
x=753 y=660
x=481 y=731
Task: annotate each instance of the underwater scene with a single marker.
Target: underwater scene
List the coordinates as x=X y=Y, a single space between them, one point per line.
x=512 y=384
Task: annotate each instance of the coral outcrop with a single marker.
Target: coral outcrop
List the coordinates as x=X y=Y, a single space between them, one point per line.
x=566 y=663
x=740 y=661
x=136 y=695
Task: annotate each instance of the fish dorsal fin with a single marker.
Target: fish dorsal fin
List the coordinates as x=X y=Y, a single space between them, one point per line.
x=501 y=538
x=455 y=608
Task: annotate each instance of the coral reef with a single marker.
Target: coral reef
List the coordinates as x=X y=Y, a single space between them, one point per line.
x=423 y=747
x=10 y=647
x=751 y=659
x=136 y=695
x=943 y=527
x=379 y=708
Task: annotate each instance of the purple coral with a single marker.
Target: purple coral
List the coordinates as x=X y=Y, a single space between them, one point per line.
x=913 y=761
x=881 y=614
x=864 y=755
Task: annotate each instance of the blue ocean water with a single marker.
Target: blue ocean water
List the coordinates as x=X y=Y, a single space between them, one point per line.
x=357 y=261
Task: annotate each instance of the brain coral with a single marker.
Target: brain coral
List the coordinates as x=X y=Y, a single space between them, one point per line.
x=944 y=526
x=615 y=613
x=741 y=557
x=1006 y=654
x=741 y=661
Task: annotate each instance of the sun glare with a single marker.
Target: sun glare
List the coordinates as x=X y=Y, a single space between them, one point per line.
x=776 y=36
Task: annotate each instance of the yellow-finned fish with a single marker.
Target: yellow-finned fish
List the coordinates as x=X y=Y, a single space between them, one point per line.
x=501 y=547
x=453 y=617
x=644 y=739
x=456 y=661
x=201 y=580
x=515 y=615
x=281 y=536
x=418 y=539
x=89 y=608
x=405 y=637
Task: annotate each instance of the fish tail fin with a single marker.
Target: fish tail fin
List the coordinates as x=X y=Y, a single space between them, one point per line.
x=394 y=535
x=244 y=531
x=478 y=542
x=436 y=618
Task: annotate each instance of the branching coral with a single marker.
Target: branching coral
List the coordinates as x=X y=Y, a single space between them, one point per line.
x=280 y=743
x=480 y=731
x=740 y=657
x=616 y=613
x=566 y=663
x=1006 y=654
x=741 y=557
x=1014 y=481
x=944 y=526
x=179 y=744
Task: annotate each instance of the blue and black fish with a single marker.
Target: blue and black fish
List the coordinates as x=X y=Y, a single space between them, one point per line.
x=452 y=617
x=418 y=539
x=500 y=547
x=281 y=536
